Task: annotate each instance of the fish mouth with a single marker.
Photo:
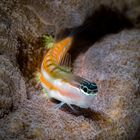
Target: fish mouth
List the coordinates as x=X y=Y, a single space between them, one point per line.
x=96 y=90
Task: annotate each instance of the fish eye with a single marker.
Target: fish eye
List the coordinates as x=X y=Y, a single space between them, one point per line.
x=85 y=89
x=89 y=88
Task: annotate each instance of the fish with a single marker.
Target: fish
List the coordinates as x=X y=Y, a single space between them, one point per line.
x=58 y=81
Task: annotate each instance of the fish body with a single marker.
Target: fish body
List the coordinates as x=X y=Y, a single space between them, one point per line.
x=60 y=83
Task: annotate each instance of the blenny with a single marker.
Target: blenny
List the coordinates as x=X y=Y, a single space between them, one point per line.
x=58 y=80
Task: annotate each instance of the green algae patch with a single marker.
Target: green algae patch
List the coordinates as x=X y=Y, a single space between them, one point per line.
x=48 y=41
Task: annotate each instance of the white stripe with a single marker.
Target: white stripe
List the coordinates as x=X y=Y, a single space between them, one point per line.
x=46 y=75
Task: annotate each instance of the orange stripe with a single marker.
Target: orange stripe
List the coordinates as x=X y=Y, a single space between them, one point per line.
x=55 y=55
x=52 y=87
x=47 y=83
x=68 y=94
x=60 y=47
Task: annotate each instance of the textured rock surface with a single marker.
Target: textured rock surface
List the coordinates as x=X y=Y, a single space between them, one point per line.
x=112 y=62
x=12 y=84
x=13 y=90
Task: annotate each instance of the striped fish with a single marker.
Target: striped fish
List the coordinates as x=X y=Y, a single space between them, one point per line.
x=60 y=83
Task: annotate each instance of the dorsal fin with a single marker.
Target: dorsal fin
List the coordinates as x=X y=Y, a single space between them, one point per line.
x=66 y=62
